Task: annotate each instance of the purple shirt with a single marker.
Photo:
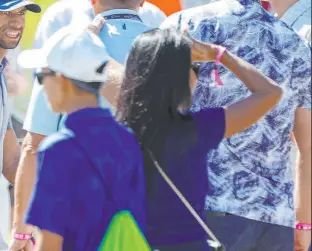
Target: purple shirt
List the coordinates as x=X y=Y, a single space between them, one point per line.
x=81 y=186
x=184 y=161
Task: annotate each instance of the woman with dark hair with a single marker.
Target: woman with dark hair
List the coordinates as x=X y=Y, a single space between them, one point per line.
x=157 y=88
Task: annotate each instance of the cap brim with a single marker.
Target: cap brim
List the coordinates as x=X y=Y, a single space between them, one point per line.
x=32 y=59
x=13 y=5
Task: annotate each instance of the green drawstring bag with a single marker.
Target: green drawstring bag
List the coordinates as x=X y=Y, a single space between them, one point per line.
x=123 y=234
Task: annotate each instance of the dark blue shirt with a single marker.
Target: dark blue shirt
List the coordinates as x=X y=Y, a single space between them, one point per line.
x=184 y=161
x=86 y=173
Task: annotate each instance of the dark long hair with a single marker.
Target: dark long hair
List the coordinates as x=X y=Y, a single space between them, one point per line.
x=156 y=85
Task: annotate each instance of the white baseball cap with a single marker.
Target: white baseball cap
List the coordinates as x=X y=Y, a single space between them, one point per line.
x=75 y=54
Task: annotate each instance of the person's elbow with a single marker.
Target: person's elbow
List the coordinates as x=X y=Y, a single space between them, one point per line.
x=30 y=147
x=277 y=93
x=273 y=95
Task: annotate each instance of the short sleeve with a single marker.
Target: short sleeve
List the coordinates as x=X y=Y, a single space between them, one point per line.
x=171 y=21
x=39 y=117
x=301 y=79
x=50 y=204
x=152 y=15
x=210 y=124
x=54 y=18
x=10 y=125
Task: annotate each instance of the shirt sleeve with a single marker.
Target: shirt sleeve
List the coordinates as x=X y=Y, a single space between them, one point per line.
x=211 y=126
x=301 y=78
x=172 y=21
x=39 y=117
x=50 y=204
x=53 y=19
x=152 y=15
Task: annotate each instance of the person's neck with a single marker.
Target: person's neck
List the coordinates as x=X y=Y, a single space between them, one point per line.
x=282 y=6
x=101 y=9
x=82 y=103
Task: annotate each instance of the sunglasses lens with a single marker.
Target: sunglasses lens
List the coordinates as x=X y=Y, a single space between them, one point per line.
x=40 y=79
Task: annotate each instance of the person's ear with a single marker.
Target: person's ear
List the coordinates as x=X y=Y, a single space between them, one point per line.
x=66 y=85
x=142 y=3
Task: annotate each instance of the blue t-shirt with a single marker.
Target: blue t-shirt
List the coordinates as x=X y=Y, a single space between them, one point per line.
x=184 y=161
x=76 y=199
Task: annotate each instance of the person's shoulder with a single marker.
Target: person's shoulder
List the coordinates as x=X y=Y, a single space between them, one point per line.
x=63 y=11
x=202 y=13
x=57 y=8
x=152 y=15
x=128 y=137
x=150 y=8
x=58 y=142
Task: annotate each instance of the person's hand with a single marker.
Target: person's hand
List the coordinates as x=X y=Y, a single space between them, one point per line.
x=17 y=245
x=302 y=240
x=202 y=52
x=96 y=25
x=21 y=246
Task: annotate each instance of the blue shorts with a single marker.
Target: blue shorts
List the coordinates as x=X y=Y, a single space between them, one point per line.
x=241 y=234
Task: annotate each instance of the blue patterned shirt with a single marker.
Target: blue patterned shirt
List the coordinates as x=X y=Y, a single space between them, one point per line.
x=250 y=174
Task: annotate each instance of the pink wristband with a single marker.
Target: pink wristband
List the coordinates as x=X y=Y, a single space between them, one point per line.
x=215 y=73
x=22 y=237
x=303 y=226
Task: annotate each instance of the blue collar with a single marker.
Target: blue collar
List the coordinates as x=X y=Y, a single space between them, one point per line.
x=120 y=12
x=80 y=117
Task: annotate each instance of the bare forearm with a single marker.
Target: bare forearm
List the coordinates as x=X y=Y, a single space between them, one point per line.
x=10 y=169
x=11 y=155
x=303 y=187
x=25 y=180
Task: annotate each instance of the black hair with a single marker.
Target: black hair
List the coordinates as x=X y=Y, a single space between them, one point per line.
x=155 y=86
x=92 y=87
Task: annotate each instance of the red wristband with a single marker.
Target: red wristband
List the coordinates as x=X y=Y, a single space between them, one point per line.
x=303 y=226
x=215 y=73
x=22 y=237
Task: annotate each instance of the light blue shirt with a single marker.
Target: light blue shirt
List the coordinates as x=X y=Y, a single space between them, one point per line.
x=39 y=118
x=298 y=17
x=119 y=34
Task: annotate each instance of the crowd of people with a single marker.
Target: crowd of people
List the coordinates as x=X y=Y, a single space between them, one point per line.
x=187 y=122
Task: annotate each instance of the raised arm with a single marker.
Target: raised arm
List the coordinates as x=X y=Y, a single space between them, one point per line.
x=265 y=95
x=265 y=92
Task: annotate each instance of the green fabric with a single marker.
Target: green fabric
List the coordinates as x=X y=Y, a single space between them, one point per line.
x=123 y=234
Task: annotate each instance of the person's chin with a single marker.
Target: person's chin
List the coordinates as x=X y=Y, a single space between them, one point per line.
x=10 y=45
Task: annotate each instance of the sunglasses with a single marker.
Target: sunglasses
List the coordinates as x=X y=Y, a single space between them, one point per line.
x=196 y=68
x=41 y=75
